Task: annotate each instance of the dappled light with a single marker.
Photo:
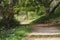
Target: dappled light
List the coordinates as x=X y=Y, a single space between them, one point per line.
x=20 y=19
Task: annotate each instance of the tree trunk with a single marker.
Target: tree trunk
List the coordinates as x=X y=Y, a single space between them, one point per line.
x=53 y=9
x=47 y=8
x=26 y=15
x=50 y=2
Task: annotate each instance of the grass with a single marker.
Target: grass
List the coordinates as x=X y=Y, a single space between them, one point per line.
x=41 y=19
x=17 y=33
x=45 y=36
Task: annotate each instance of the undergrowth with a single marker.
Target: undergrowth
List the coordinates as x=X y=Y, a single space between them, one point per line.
x=17 y=33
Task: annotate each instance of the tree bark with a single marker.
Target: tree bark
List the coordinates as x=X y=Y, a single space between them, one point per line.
x=50 y=2
x=26 y=15
x=48 y=7
x=53 y=9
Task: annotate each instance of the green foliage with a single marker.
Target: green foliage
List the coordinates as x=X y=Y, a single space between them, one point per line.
x=42 y=19
x=45 y=36
x=58 y=10
x=17 y=33
x=8 y=23
x=56 y=13
x=9 y=29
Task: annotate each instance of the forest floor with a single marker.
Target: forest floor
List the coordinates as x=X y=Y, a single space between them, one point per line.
x=47 y=29
x=43 y=38
x=44 y=29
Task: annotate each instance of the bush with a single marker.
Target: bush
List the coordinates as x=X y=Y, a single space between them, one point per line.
x=17 y=33
x=42 y=19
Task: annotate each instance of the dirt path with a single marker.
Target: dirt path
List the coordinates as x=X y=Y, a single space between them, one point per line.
x=44 y=29
x=43 y=38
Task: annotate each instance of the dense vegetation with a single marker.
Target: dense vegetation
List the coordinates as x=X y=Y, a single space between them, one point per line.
x=13 y=12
